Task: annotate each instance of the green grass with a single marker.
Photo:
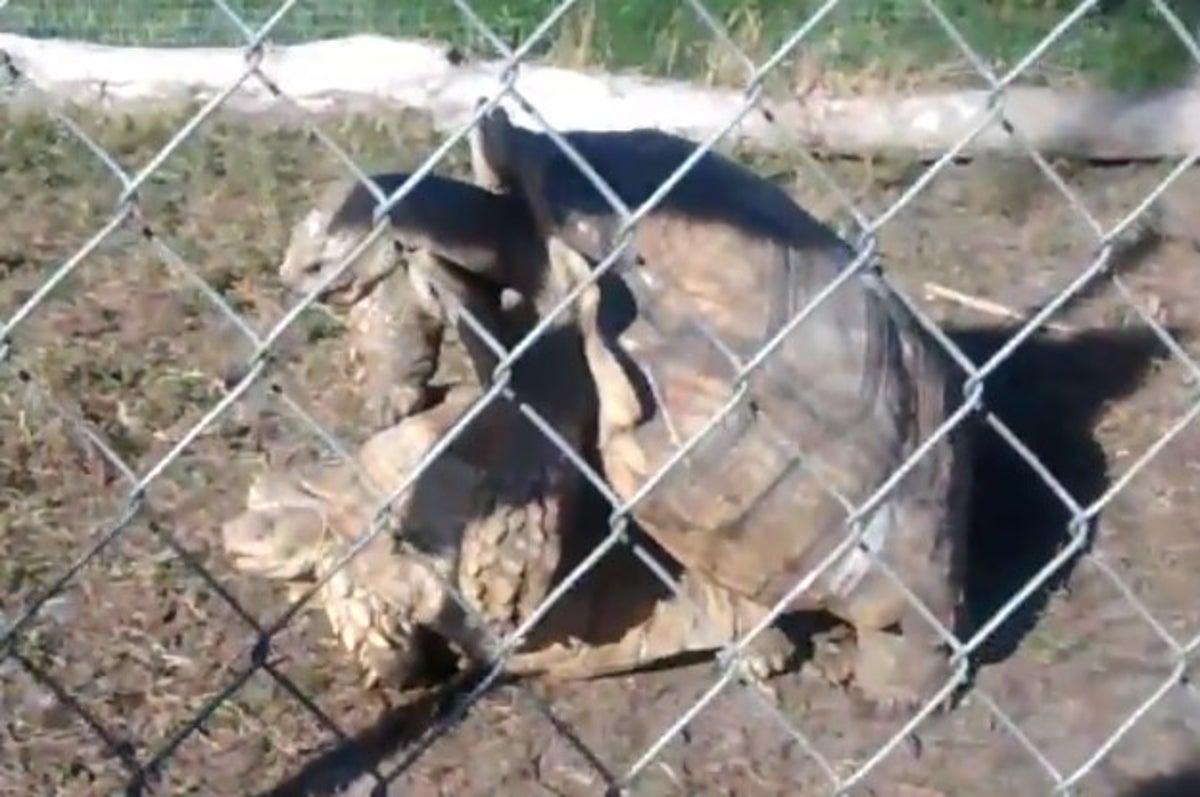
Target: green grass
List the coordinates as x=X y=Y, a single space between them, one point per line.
x=1128 y=47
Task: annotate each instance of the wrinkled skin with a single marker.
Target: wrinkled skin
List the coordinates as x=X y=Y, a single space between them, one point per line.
x=297 y=525
x=824 y=420
x=485 y=516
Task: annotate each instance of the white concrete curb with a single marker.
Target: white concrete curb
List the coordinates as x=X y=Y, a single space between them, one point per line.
x=366 y=70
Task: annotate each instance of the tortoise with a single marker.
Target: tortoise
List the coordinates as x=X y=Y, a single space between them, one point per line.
x=492 y=514
x=810 y=429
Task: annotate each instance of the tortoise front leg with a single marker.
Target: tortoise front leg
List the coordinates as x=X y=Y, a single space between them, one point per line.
x=396 y=341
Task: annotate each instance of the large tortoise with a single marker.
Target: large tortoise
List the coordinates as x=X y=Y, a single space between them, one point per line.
x=492 y=514
x=824 y=421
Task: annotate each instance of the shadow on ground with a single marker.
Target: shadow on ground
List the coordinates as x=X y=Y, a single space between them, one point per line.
x=369 y=761
x=363 y=755
x=1049 y=394
x=1185 y=783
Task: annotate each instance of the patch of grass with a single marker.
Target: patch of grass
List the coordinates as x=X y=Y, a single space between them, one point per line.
x=1126 y=45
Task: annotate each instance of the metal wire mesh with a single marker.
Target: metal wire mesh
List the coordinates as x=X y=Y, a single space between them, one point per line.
x=973 y=405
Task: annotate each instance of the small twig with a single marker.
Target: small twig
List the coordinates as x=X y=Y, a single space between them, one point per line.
x=985 y=306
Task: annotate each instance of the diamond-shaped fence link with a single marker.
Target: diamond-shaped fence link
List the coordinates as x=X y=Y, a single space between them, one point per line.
x=972 y=407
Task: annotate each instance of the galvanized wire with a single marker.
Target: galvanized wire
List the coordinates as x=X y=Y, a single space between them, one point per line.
x=137 y=506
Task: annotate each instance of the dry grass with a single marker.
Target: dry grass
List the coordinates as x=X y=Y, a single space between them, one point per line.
x=139 y=642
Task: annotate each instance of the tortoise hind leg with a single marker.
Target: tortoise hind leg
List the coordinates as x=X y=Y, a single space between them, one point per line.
x=899 y=659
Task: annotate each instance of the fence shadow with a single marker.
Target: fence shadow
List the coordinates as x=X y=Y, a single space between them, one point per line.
x=366 y=754
x=1049 y=394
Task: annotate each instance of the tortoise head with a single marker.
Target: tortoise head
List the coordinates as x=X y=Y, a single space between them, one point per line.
x=283 y=544
x=332 y=229
x=489 y=236
x=283 y=531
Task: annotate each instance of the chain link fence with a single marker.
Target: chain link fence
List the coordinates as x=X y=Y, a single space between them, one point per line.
x=839 y=778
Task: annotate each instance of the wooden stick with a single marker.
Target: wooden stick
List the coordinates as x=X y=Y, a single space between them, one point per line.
x=985 y=306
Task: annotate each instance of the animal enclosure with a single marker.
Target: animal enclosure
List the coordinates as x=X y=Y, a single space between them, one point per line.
x=138 y=400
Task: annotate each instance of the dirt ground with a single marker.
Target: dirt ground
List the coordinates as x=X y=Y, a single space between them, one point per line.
x=107 y=678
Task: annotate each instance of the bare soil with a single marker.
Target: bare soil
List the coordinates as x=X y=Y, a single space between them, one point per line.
x=137 y=672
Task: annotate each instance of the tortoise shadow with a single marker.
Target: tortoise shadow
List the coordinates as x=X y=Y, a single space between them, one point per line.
x=1049 y=394
x=1184 y=783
